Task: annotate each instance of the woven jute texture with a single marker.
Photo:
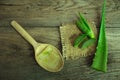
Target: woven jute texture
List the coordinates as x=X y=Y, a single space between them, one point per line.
x=69 y=32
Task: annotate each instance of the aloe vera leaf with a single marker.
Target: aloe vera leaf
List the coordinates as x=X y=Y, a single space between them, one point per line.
x=100 y=59
x=79 y=39
x=84 y=21
x=84 y=26
x=88 y=43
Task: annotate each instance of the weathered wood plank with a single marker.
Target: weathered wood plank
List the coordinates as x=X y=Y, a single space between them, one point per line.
x=19 y=67
x=17 y=58
x=54 y=22
x=44 y=35
x=53 y=13
x=63 y=4
x=42 y=20
x=51 y=35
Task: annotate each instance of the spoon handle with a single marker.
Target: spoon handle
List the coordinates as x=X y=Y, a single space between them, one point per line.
x=24 y=33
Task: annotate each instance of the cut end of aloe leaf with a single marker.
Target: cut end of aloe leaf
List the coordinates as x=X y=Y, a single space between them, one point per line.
x=99 y=68
x=91 y=35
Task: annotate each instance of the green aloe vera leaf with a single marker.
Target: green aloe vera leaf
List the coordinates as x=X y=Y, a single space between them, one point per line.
x=100 y=59
x=84 y=21
x=84 y=26
x=79 y=39
x=88 y=43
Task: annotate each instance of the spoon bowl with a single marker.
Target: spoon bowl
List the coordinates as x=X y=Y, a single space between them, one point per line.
x=46 y=55
x=49 y=57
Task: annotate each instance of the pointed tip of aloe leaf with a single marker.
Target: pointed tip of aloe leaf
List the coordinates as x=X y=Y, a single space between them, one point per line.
x=80 y=14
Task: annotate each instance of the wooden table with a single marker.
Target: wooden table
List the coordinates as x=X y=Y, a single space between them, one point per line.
x=42 y=18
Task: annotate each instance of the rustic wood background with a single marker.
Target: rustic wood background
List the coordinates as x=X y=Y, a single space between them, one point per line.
x=42 y=18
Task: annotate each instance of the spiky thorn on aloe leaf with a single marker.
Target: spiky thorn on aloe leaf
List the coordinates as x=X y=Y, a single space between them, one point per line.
x=100 y=59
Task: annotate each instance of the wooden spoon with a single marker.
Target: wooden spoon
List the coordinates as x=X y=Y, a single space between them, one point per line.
x=46 y=55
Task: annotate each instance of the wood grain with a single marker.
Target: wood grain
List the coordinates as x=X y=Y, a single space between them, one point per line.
x=53 y=13
x=42 y=20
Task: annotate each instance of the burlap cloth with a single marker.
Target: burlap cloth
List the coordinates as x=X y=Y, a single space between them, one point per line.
x=69 y=32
